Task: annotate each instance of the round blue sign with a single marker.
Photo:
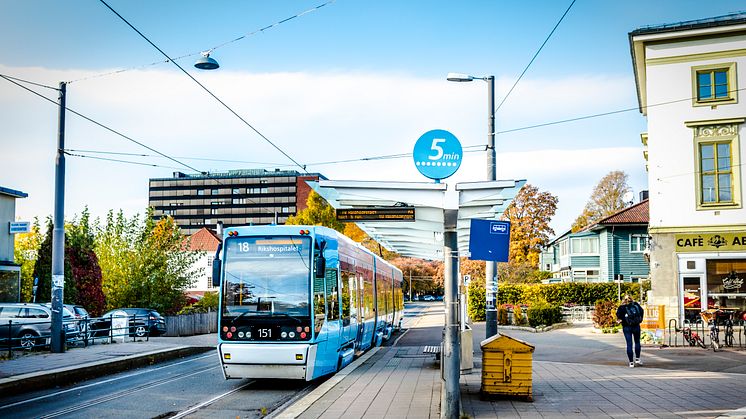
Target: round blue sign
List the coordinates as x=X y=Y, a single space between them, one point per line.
x=437 y=154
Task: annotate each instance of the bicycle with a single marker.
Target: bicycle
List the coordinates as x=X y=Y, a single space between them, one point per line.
x=728 y=322
x=692 y=338
x=711 y=320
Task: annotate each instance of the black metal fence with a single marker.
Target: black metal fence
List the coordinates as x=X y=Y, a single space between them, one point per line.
x=729 y=334
x=23 y=336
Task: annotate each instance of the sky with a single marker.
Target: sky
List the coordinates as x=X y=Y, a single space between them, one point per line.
x=348 y=81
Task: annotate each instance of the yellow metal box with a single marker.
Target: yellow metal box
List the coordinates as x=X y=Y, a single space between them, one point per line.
x=506 y=367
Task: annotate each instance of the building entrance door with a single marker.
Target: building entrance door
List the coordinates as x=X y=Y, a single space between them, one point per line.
x=693 y=297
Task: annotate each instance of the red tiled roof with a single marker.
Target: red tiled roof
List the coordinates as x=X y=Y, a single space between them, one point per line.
x=635 y=214
x=204 y=240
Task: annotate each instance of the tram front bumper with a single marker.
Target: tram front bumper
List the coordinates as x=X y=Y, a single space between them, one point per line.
x=258 y=360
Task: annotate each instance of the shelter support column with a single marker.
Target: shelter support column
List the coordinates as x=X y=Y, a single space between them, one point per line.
x=451 y=400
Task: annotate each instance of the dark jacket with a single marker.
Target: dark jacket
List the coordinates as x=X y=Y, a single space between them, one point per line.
x=621 y=312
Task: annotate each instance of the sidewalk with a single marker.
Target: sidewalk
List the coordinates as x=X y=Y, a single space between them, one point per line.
x=402 y=382
x=44 y=370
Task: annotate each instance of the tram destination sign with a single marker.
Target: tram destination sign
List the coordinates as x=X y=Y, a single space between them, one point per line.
x=376 y=214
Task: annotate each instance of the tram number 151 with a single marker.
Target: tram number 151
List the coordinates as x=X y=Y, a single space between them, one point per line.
x=265 y=333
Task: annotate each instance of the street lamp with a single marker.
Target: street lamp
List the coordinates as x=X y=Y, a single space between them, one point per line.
x=206 y=63
x=491 y=267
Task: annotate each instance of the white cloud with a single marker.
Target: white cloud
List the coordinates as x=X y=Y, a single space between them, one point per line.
x=313 y=118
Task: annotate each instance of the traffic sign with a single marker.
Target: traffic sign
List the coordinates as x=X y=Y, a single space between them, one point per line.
x=20 y=227
x=489 y=240
x=437 y=154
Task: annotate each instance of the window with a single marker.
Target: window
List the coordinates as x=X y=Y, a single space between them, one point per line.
x=716 y=174
x=200 y=191
x=564 y=248
x=717 y=163
x=585 y=246
x=215 y=191
x=714 y=84
x=236 y=191
x=638 y=243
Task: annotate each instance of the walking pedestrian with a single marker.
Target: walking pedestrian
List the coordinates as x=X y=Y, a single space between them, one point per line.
x=630 y=314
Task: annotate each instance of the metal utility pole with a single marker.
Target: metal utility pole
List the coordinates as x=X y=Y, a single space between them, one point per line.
x=410 y=285
x=58 y=234
x=491 y=267
x=451 y=400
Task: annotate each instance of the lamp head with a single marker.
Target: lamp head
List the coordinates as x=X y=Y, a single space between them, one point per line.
x=206 y=63
x=459 y=77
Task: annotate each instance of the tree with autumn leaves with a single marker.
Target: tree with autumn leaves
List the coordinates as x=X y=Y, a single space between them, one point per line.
x=607 y=198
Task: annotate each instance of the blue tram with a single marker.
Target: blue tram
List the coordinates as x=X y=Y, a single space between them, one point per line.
x=299 y=302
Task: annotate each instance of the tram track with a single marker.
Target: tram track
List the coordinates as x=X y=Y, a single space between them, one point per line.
x=124 y=393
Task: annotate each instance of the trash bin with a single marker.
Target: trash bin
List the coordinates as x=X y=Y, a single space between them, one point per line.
x=506 y=368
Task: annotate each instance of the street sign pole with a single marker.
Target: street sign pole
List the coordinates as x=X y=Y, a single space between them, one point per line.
x=58 y=233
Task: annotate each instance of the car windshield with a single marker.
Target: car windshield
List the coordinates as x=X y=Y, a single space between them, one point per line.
x=267 y=276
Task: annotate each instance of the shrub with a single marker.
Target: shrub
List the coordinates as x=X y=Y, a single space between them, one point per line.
x=517 y=315
x=502 y=315
x=544 y=314
x=209 y=302
x=477 y=304
x=605 y=314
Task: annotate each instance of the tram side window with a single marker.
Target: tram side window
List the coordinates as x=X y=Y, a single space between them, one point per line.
x=332 y=296
x=347 y=291
x=319 y=303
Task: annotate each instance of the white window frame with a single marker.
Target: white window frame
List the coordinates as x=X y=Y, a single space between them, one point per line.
x=580 y=241
x=639 y=239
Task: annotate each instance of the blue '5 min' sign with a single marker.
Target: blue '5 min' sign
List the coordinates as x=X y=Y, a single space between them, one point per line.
x=437 y=154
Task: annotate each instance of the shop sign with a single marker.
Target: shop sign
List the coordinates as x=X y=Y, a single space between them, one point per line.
x=732 y=282
x=655 y=317
x=711 y=242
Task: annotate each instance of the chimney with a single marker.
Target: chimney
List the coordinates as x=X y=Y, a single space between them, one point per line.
x=643 y=195
x=220 y=229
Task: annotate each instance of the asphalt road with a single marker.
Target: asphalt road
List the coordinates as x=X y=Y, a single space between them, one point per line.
x=190 y=387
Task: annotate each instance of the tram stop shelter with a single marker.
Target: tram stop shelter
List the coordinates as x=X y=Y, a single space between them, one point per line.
x=438 y=230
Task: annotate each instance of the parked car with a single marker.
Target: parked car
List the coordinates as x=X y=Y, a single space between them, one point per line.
x=142 y=321
x=428 y=298
x=31 y=324
x=82 y=316
x=438 y=298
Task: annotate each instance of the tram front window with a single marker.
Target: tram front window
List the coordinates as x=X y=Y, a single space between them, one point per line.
x=266 y=289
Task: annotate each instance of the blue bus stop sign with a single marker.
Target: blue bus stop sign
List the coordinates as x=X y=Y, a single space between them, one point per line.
x=437 y=154
x=489 y=240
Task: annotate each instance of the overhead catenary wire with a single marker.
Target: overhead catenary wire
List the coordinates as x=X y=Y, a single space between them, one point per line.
x=192 y=54
x=203 y=86
x=535 y=55
x=160 y=154
x=91 y=120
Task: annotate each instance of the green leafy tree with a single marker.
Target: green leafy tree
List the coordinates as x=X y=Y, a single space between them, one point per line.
x=26 y=251
x=145 y=263
x=43 y=271
x=606 y=199
x=317 y=212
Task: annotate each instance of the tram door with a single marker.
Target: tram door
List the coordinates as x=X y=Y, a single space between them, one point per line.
x=349 y=306
x=359 y=295
x=694 y=299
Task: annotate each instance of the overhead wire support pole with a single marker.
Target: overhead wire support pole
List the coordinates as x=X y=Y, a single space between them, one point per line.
x=58 y=233
x=490 y=269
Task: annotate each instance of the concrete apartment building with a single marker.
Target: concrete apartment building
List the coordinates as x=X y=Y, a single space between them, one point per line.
x=10 y=272
x=235 y=197
x=689 y=77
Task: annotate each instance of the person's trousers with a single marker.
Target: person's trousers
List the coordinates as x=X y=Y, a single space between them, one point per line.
x=630 y=333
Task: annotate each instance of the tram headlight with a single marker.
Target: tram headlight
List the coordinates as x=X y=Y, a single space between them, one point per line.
x=291 y=334
x=240 y=334
x=284 y=335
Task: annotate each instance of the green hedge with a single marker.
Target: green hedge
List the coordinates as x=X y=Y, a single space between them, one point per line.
x=544 y=314
x=568 y=293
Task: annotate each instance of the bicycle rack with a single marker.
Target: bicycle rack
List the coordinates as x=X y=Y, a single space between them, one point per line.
x=673 y=332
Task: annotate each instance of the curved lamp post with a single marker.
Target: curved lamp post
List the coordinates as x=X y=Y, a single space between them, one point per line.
x=490 y=268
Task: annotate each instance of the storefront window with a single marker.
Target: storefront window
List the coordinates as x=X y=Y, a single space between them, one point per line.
x=725 y=285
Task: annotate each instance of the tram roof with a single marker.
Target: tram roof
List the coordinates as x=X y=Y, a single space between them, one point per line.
x=422 y=238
